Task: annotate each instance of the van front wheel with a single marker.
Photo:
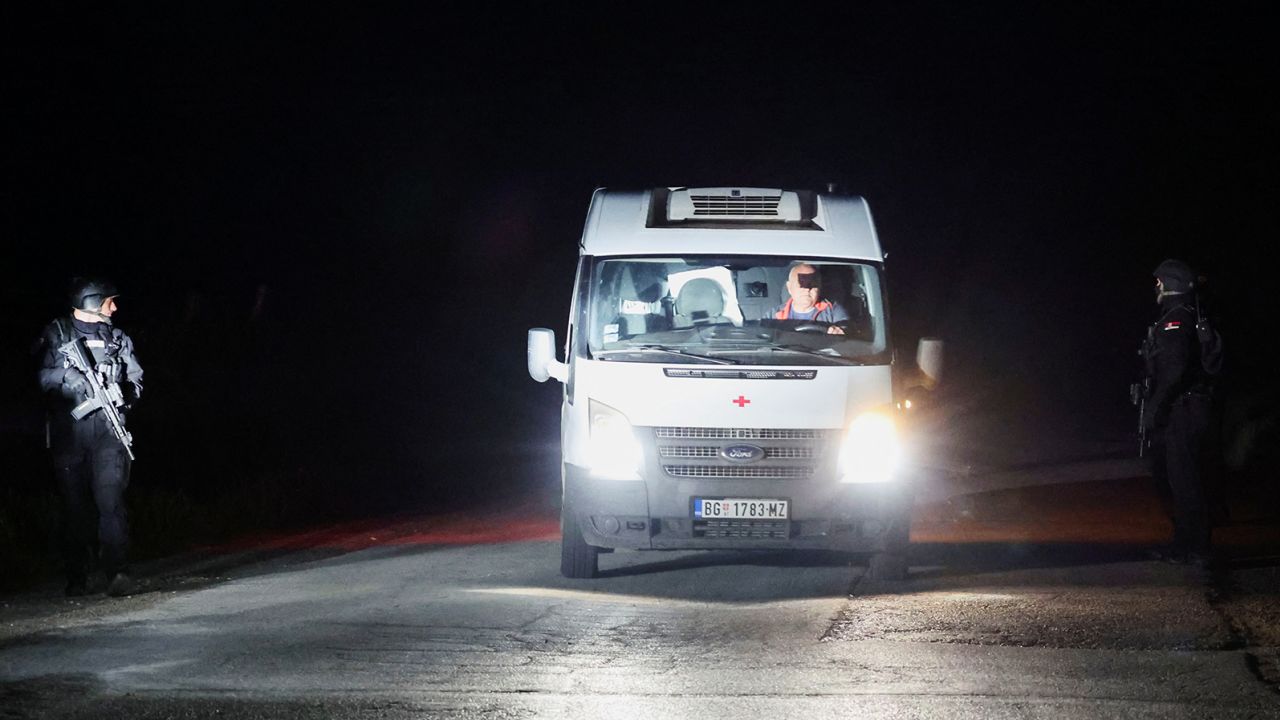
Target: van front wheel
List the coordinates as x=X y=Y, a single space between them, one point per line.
x=888 y=567
x=891 y=564
x=577 y=558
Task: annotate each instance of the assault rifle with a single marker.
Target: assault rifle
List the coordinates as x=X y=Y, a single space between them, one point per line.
x=102 y=395
x=1209 y=339
x=1138 y=396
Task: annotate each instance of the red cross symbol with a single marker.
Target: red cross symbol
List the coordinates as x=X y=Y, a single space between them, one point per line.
x=741 y=401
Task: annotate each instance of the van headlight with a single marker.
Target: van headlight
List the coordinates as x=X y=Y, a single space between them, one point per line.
x=872 y=450
x=613 y=453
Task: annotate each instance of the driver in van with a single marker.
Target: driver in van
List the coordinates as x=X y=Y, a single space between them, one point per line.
x=805 y=302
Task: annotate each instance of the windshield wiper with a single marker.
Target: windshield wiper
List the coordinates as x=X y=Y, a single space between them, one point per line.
x=816 y=353
x=669 y=350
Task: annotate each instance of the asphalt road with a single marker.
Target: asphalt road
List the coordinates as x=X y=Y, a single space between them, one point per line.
x=466 y=616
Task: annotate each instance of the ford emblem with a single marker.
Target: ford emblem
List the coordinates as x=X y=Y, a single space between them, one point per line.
x=742 y=453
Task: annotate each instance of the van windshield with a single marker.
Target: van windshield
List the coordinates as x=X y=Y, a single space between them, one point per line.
x=747 y=310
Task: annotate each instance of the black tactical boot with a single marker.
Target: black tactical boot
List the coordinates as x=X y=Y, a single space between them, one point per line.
x=121 y=585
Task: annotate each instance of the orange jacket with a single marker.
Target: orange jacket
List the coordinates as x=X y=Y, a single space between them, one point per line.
x=818 y=307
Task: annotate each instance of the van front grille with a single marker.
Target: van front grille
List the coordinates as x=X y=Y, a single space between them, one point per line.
x=739 y=471
x=742 y=453
x=705 y=451
x=756 y=529
x=688 y=452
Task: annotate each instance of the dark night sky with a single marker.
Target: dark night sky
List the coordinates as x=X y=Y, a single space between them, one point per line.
x=409 y=187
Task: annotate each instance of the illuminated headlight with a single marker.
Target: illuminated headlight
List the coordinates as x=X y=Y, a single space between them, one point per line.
x=613 y=452
x=872 y=450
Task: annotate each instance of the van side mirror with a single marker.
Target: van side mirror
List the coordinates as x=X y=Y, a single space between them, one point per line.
x=542 y=356
x=929 y=358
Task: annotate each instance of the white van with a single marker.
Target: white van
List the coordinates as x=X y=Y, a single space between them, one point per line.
x=728 y=379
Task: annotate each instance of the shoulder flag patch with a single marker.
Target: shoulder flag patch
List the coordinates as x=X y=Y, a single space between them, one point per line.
x=1172 y=325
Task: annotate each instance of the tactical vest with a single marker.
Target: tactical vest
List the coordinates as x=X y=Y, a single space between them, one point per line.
x=1205 y=360
x=106 y=353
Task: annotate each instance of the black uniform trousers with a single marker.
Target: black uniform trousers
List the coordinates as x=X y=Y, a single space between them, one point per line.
x=1179 y=464
x=92 y=471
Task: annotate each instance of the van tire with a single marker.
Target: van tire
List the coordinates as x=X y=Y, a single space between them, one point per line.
x=898 y=537
x=891 y=565
x=577 y=558
x=888 y=567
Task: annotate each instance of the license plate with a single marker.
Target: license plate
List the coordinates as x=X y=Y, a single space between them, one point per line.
x=740 y=509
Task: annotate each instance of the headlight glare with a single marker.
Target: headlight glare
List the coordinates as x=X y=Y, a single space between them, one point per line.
x=613 y=453
x=872 y=451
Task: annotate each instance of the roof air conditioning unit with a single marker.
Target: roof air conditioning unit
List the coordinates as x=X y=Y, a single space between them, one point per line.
x=733 y=203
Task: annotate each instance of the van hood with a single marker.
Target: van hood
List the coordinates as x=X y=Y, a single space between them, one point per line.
x=745 y=396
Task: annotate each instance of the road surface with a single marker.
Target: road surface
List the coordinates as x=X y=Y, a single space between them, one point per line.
x=466 y=616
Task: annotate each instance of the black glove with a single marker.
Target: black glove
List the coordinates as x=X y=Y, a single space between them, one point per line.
x=75 y=386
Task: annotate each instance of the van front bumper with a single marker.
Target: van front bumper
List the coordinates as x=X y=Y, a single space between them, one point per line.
x=656 y=513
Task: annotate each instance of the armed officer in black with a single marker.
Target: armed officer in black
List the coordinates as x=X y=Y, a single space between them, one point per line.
x=91 y=466
x=1178 y=409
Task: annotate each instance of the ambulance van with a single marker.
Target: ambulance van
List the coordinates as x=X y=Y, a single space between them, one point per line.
x=729 y=380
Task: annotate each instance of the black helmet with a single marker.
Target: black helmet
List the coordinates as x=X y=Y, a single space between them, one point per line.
x=1176 y=275
x=88 y=295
